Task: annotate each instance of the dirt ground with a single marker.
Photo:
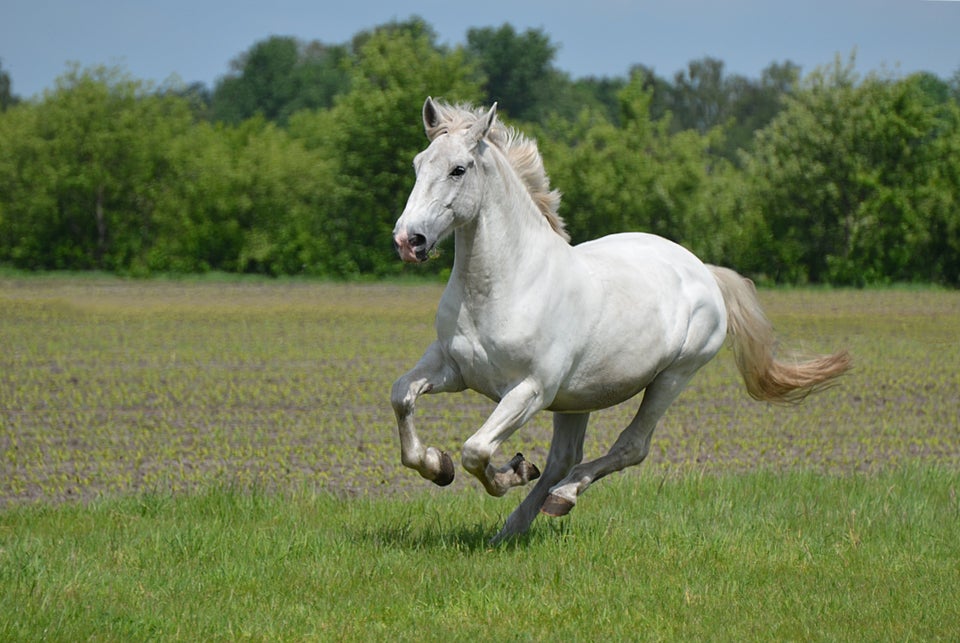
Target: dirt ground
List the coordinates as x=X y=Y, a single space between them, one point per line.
x=113 y=387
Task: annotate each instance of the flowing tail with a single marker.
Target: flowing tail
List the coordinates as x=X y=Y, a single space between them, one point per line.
x=766 y=377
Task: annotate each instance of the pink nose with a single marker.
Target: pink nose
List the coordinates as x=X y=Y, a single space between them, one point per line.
x=404 y=248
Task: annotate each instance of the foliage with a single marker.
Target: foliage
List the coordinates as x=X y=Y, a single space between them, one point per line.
x=858 y=182
x=702 y=98
x=517 y=69
x=82 y=172
x=103 y=175
x=298 y=161
x=278 y=77
x=635 y=176
x=7 y=97
x=245 y=199
x=372 y=134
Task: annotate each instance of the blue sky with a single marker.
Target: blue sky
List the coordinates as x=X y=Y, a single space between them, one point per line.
x=196 y=40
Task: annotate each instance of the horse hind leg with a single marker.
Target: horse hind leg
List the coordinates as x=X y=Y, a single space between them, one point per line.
x=566 y=450
x=631 y=447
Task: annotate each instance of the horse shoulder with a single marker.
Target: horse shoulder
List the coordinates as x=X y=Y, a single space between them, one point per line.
x=528 y=329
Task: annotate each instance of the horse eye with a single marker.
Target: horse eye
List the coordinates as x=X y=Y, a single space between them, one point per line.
x=458 y=171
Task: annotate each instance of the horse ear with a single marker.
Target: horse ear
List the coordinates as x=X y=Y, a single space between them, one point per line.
x=431 y=117
x=478 y=131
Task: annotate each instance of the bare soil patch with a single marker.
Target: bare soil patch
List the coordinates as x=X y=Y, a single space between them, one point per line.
x=114 y=387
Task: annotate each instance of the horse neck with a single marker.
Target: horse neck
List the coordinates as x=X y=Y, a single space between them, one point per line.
x=509 y=241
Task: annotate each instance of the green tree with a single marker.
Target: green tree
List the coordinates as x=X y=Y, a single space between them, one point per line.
x=595 y=93
x=857 y=181
x=279 y=76
x=245 y=198
x=105 y=174
x=518 y=70
x=82 y=171
x=197 y=95
x=7 y=97
x=703 y=97
x=954 y=84
x=754 y=104
x=635 y=176
x=372 y=134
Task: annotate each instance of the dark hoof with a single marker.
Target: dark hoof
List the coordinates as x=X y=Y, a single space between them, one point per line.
x=528 y=471
x=447 y=472
x=555 y=506
x=525 y=469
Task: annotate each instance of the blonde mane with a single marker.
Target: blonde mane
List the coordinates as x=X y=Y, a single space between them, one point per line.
x=520 y=151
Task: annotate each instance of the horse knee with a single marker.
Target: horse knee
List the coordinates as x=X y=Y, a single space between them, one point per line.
x=475 y=456
x=404 y=394
x=399 y=398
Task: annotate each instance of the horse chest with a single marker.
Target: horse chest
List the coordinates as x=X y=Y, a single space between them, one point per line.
x=490 y=360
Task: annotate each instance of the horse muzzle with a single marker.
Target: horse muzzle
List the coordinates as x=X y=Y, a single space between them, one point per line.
x=412 y=248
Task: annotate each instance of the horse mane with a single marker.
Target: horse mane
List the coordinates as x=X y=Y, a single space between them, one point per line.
x=521 y=153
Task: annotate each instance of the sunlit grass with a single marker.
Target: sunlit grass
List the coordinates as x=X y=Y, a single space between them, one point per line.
x=218 y=460
x=767 y=555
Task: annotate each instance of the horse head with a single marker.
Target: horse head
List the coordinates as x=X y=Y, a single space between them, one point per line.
x=448 y=189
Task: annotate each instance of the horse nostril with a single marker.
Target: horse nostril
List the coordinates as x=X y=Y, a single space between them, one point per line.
x=417 y=240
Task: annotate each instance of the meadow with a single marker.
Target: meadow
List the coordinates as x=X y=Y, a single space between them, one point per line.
x=217 y=459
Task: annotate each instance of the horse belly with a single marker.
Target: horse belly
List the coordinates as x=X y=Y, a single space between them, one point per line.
x=598 y=382
x=604 y=395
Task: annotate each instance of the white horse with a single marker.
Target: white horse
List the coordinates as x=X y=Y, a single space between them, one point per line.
x=534 y=323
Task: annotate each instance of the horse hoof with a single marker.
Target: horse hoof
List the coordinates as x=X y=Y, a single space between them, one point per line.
x=524 y=468
x=528 y=471
x=555 y=506
x=447 y=472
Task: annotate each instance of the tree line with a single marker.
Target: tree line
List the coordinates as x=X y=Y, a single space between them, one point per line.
x=298 y=161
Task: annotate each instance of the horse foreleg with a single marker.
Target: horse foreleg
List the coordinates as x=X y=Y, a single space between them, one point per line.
x=432 y=374
x=516 y=407
x=631 y=447
x=566 y=450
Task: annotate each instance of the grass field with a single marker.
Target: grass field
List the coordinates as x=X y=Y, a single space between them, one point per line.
x=218 y=460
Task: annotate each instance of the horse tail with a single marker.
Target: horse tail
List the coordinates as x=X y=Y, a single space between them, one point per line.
x=766 y=377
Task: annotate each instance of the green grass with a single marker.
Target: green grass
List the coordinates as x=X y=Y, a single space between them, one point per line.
x=217 y=460
x=782 y=556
